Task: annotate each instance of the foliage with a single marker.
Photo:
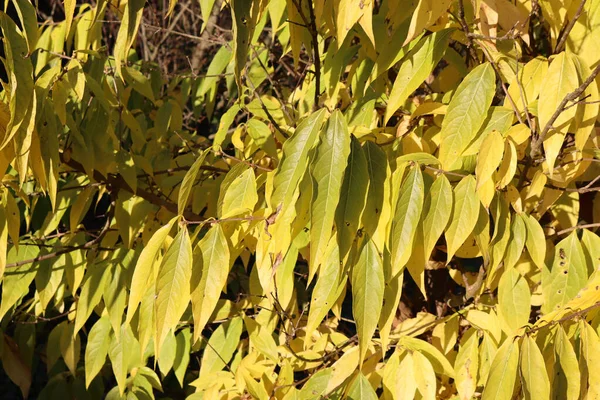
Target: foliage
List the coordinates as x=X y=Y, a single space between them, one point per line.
x=353 y=199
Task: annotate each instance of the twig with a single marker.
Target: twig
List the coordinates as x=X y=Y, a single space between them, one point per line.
x=536 y=143
x=465 y=28
x=311 y=25
x=459 y=175
x=565 y=34
x=565 y=318
x=573 y=228
x=223 y=154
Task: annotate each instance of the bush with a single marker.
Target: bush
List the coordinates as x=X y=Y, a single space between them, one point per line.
x=300 y=199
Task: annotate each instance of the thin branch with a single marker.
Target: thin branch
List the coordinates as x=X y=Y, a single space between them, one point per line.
x=536 y=144
x=565 y=34
x=573 y=228
x=465 y=27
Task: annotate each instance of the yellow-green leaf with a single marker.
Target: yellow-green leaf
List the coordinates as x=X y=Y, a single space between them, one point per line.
x=130 y=23
x=221 y=345
x=566 y=381
x=327 y=172
x=424 y=376
x=367 y=293
x=209 y=276
x=238 y=192
x=407 y=214
x=536 y=240
x=466 y=113
x=188 y=181
x=489 y=157
x=514 y=301
x=534 y=377
x=173 y=286
x=436 y=212
x=503 y=372
x=144 y=272
x=416 y=67
x=465 y=214
x=361 y=389
x=96 y=349
x=467 y=365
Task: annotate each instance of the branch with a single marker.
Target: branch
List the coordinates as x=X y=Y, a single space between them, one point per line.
x=117 y=182
x=536 y=144
x=584 y=226
x=565 y=34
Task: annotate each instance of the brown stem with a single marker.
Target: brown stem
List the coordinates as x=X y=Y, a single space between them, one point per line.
x=565 y=34
x=536 y=144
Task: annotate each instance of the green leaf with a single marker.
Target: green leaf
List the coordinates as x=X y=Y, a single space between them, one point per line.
x=407 y=214
x=514 y=301
x=209 y=276
x=589 y=353
x=168 y=350
x=187 y=184
x=566 y=380
x=534 y=377
x=465 y=214
x=416 y=67
x=327 y=172
x=352 y=197
x=293 y=161
x=316 y=387
x=221 y=345
x=367 y=293
x=361 y=389
x=139 y=82
x=437 y=209
x=466 y=112
x=503 y=373
x=440 y=363
x=516 y=244
x=29 y=22
x=173 y=286
x=96 y=349
x=567 y=275
x=143 y=274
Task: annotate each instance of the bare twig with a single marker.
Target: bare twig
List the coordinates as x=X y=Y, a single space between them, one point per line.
x=565 y=34
x=536 y=143
x=573 y=228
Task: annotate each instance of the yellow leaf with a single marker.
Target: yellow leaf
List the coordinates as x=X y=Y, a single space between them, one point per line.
x=489 y=157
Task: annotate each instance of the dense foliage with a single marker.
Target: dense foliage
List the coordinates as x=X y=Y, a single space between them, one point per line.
x=335 y=199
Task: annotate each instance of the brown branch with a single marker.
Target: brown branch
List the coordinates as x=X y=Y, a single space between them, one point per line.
x=565 y=318
x=465 y=27
x=536 y=143
x=573 y=228
x=116 y=182
x=565 y=34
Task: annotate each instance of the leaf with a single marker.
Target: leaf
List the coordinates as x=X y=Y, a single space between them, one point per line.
x=406 y=217
x=518 y=236
x=173 y=286
x=514 y=301
x=367 y=293
x=139 y=82
x=467 y=365
x=244 y=15
x=91 y=294
x=436 y=212
x=168 y=350
x=143 y=274
x=489 y=157
x=567 y=275
x=416 y=67
x=182 y=355
x=536 y=240
x=238 y=192
x=534 y=377
x=330 y=283
x=378 y=173
x=465 y=214
x=352 y=197
x=466 y=112
x=188 y=182
x=531 y=78
x=96 y=349
x=29 y=22
x=316 y=387
x=221 y=346
x=361 y=389
x=327 y=172
x=130 y=23
x=424 y=376
x=209 y=276
x=440 y=363
x=590 y=355
x=566 y=381
x=503 y=373
x=508 y=167
x=293 y=161
x=121 y=353
x=14 y=366
x=563 y=73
